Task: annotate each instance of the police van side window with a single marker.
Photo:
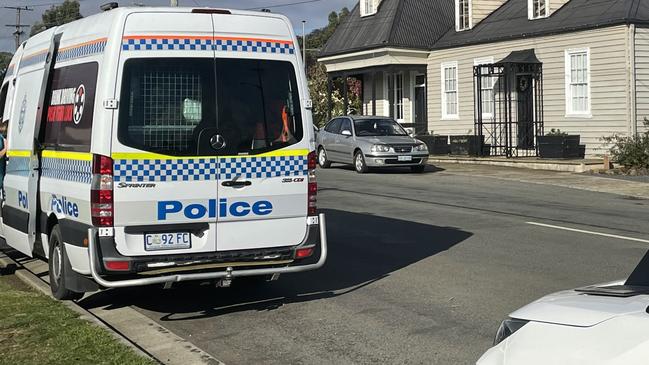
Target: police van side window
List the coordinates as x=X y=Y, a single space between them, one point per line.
x=70 y=107
x=3 y=100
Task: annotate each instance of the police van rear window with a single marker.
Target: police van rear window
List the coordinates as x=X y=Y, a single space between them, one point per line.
x=176 y=106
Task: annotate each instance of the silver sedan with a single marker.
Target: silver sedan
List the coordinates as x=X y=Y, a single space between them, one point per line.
x=367 y=142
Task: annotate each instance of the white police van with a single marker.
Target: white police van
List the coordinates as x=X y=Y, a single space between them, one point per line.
x=158 y=145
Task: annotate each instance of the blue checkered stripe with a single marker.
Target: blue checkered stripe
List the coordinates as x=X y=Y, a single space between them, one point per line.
x=165 y=44
x=219 y=45
x=33 y=59
x=67 y=169
x=18 y=166
x=208 y=169
x=81 y=51
x=253 y=46
x=165 y=170
x=262 y=167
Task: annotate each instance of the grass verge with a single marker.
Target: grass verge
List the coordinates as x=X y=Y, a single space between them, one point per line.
x=36 y=329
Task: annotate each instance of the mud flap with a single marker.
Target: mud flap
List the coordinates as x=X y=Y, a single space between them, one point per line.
x=76 y=282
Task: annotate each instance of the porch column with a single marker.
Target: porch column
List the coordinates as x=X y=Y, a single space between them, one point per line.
x=329 y=91
x=345 y=96
x=373 y=93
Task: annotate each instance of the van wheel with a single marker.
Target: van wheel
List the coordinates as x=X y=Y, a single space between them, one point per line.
x=322 y=159
x=359 y=163
x=57 y=264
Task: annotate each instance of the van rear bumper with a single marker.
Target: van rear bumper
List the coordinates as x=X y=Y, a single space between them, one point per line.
x=226 y=265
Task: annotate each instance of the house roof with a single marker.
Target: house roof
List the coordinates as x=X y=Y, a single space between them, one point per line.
x=413 y=24
x=510 y=21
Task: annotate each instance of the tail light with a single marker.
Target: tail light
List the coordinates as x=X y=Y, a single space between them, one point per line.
x=312 y=208
x=101 y=194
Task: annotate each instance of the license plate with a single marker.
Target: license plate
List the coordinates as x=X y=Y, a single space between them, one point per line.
x=405 y=158
x=167 y=241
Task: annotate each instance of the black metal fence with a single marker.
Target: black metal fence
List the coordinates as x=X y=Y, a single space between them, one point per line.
x=508 y=108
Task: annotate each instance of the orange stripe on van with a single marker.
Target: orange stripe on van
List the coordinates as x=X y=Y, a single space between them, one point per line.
x=183 y=36
x=84 y=44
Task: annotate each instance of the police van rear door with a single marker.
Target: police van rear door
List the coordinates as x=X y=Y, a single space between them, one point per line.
x=165 y=171
x=262 y=186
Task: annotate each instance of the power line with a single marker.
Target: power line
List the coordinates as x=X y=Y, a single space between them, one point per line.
x=19 y=27
x=283 y=5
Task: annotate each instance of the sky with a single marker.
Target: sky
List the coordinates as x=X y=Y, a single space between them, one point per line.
x=315 y=12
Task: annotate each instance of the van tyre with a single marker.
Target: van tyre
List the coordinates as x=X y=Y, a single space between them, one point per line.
x=359 y=163
x=418 y=169
x=58 y=264
x=322 y=159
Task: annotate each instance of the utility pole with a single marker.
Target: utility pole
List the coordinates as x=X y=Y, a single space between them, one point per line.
x=304 y=45
x=18 y=26
x=174 y=2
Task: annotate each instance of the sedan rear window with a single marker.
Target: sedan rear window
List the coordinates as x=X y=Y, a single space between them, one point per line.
x=175 y=106
x=378 y=127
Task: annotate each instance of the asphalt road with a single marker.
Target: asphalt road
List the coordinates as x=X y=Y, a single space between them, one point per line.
x=422 y=269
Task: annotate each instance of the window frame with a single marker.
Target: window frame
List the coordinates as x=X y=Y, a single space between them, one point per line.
x=368 y=12
x=530 y=10
x=570 y=112
x=469 y=24
x=4 y=96
x=394 y=107
x=445 y=114
x=487 y=61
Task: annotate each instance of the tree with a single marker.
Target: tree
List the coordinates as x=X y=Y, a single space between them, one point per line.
x=317 y=73
x=5 y=58
x=57 y=15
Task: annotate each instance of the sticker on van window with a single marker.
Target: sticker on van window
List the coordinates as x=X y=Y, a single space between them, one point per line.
x=69 y=112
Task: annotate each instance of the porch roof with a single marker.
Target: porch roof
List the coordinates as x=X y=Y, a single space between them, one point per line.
x=376 y=69
x=397 y=23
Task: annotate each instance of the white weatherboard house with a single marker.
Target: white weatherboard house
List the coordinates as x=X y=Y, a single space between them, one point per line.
x=581 y=66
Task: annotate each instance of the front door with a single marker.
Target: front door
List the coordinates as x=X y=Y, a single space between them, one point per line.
x=421 y=124
x=525 y=92
x=20 y=210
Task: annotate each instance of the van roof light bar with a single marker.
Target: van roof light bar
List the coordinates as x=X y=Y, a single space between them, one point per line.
x=211 y=11
x=109 y=6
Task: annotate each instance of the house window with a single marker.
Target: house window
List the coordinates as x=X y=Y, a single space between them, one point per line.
x=369 y=7
x=578 y=101
x=449 y=91
x=462 y=15
x=538 y=9
x=486 y=88
x=395 y=95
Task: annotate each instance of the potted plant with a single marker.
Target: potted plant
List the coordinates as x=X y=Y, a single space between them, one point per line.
x=557 y=144
x=468 y=145
x=437 y=145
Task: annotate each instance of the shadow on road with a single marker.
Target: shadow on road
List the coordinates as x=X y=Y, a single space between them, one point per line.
x=390 y=170
x=363 y=249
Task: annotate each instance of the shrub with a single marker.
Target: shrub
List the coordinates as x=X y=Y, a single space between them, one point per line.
x=556 y=133
x=633 y=151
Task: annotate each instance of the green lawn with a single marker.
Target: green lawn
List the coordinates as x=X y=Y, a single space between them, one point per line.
x=35 y=329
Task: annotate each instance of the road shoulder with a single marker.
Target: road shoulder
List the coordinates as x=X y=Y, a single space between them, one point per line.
x=143 y=335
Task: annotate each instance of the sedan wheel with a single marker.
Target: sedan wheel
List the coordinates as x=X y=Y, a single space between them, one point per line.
x=359 y=163
x=322 y=159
